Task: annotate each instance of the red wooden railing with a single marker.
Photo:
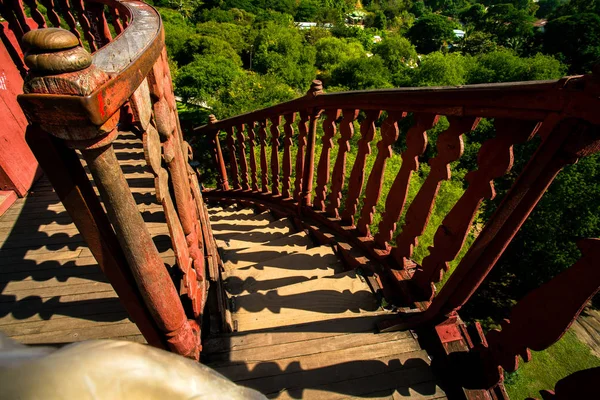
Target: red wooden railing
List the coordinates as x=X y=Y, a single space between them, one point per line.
x=77 y=100
x=561 y=113
x=74 y=100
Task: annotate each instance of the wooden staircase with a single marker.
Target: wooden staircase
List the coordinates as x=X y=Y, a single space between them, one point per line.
x=304 y=326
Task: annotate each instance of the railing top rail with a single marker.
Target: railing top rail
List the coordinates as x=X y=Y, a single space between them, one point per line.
x=125 y=61
x=531 y=100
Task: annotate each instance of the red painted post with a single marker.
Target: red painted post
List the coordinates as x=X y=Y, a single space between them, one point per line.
x=222 y=181
x=316 y=88
x=74 y=74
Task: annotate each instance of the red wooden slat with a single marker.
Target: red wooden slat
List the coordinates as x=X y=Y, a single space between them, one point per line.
x=339 y=169
x=357 y=176
x=288 y=128
x=85 y=24
x=389 y=134
x=416 y=143
x=449 y=149
x=542 y=317
x=37 y=16
x=241 y=147
x=252 y=144
x=233 y=165
x=264 y=172
x=495 y=158
x=329 y=130
x=302 y=134
x=275 y=121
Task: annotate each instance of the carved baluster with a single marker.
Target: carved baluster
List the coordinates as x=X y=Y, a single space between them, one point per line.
x=37 y=16
x=13 y=24
x=449 y=149
x=542 y=317
x=357 y=176
x=564 y=142
x=264 y=173
x=69 y=18
x=84 y=22
x=416 y=143
x=222 y=182
x=116 y=19
x=308 y=167
x=339 y=169
x=329 y=130
x=51 y=12
x=275 y=121
x=302 y=135
x=98 y=24
x=242 y=156
x=176 y=153
x=579 y=385
x=389 y=134
x=252 y=142
x=495 y=158
x=152 y=151
x=74 y=75
x=287 y=155
x=19 y=13
x=232 y=158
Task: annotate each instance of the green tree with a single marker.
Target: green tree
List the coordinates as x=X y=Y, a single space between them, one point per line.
x=333 y=51
x=251 y=91
x=431 y=32
x=437 y=69
x=177 y=30
x=239 y=37
x=575 y=39
x=512 y=27
x=199 y=45
x=361 y=73
x=396 y=52
x=478 y=42
x=505 y=66
x=380 y=21
x=281 y=51
x=204 y=78
x=307 y=10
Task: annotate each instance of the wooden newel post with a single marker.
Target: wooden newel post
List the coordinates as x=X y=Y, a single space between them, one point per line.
x=60 y=66
x=218 y=156
x=316 y=88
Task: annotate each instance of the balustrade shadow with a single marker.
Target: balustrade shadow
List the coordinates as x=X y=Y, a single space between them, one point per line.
x=40 y=243
x=400 y=374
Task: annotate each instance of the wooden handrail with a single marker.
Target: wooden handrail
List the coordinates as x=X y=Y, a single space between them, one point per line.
x=557 y=111
x=79 y=99
x=522 y=100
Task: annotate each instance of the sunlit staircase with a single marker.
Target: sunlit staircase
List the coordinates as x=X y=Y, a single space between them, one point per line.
x=304 y=325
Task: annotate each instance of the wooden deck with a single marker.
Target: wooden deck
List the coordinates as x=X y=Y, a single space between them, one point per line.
x=305 y=325
x=51 y=288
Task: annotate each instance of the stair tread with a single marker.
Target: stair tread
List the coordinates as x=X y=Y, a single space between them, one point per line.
x=237 y=258
x=259 y=235
x=282 y=271
x=328 y=297
x=231 y=213
x=241 y=225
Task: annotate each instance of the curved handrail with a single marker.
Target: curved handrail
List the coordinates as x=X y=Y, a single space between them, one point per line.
x=531 y=100
x=126 y=61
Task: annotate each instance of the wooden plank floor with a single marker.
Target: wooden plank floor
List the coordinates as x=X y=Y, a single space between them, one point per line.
x=305 y=326
x=51 y=288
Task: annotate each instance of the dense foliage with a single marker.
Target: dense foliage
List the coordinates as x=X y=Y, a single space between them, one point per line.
x=235 y=56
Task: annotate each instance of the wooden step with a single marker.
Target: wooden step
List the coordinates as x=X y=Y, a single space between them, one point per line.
x=345 y=294
x=282 y=271
x=261 y=235
x=290 y=244
x=244 y=224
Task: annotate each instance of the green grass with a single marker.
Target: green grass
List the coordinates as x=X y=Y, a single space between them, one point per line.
x=547 y=367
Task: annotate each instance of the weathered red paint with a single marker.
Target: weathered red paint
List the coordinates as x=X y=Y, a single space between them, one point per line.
x=18 y=167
